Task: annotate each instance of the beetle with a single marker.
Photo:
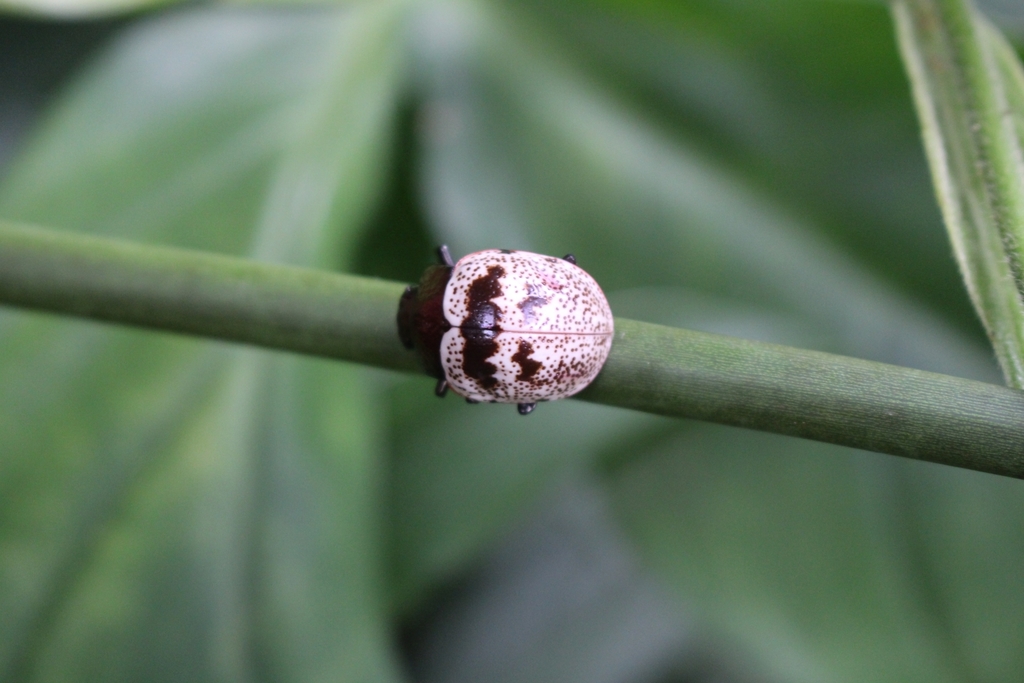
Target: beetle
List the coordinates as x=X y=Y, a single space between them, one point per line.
x=506 y=326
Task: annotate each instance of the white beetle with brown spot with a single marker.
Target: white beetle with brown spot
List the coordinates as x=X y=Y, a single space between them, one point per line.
x=508 y=326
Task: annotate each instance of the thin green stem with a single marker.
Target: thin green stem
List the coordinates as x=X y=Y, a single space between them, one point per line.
x=312 y=312
x=652 y=368
x=820 y=396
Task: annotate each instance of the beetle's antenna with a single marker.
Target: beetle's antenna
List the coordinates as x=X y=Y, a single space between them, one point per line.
x=445 y=256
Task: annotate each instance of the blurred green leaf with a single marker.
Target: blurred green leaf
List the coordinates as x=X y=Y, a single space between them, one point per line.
x=833 y=565
x=77 y=9
x=176 y=510
x=463 y=473
x=779 y=545
x=969 y=89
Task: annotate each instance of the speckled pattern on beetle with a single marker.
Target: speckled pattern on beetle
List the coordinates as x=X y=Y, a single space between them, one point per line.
x=506 y=326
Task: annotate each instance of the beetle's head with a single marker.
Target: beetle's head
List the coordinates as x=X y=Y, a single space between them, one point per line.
x=421 y=321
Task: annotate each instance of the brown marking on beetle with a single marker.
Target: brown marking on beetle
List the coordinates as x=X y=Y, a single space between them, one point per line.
x=481 y=327
x=529 y=366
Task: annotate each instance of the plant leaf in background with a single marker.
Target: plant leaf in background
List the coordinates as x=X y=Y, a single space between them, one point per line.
x=73 y=9
x=969 y=89
x=186 y=510
x=177 y=510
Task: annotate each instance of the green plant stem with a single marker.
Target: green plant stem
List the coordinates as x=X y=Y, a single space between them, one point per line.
x=652 y=368
x=312 y=312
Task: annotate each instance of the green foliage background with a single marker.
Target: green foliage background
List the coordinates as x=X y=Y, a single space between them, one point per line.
x=172 y=509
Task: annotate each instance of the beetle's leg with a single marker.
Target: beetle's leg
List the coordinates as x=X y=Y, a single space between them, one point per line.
x=570 y=258
x=445 y=256
x=526 y=408
x=441 y=389
x=471 y=400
